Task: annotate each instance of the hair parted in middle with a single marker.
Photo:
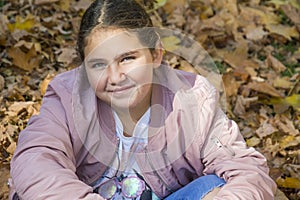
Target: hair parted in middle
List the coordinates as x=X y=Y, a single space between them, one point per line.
x=124 y=14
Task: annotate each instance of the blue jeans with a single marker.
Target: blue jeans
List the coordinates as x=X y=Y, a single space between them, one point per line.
x=198 y=188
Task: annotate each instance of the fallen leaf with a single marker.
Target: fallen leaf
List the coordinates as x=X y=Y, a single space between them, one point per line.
x=278 y=3
x=238 y=56
x=26 y=61
x=67 y=55
x=45 y=82
x=282 y=83
x=293 y=14
x=289 y=101
x=16 y=107
x=294 y=101
x=159 y=3
x=12 y=147
x=288 y=182
x=289 y=141
x=185 y=66
x=230 y=84
x=266 y=129
x=285 y=125
x=260 y=16
x=65 y=5
x=2 y=83
x=255 y=33
x=283 y=30
x=170 y=6
x=22 y=24
x=170 y=43
x=253 y=141
x=42 y=2
x=264 y=88
x=18 y=34
x=82 y=5
x=271 y=61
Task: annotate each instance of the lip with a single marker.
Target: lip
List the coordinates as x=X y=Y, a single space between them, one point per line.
x=119 y=90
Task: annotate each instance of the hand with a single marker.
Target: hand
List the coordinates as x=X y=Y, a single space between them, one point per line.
x=211 y=194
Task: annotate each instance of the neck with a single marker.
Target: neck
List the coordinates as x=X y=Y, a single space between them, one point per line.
x=130 y=117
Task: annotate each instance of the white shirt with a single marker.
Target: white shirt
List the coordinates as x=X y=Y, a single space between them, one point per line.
x=125 y=159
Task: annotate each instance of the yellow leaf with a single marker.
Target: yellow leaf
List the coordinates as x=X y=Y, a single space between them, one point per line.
x=289 y=141
x=65 y=5
x=294 y=101
x=22 y=24
x=251 y=142
x=288 y=182
x=170 y=43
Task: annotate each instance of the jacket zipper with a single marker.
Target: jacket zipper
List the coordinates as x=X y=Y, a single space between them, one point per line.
x=220 y=145
x=156 y=173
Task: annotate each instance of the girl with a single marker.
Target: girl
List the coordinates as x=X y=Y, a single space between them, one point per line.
x=124 y=125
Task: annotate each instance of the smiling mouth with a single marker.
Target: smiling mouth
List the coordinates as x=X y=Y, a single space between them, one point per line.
x=121 y=89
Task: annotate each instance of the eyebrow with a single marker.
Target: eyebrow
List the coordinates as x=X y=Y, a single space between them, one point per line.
x=94 y=60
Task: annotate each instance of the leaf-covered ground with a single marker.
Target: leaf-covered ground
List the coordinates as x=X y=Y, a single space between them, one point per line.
x=254 y=44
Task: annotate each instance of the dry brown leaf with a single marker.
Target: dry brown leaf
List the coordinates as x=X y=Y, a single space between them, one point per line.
x=271 y=61
x=239 y=57
x=45 y=82
x=282 y=83
x=255 y=32
x=264 y=88
x=42 y=2
x=230 y=84
x=283 y=30
x=265 y=129
x=67 y=55
x=2 y=83
x=82 y=5
x=260 y=16
x=185 y=66
x=293 y=14
x=12 y=147
x=26 y=61
x=18 y=34
x=16 y=107
x=285 y=125
x=170 y=6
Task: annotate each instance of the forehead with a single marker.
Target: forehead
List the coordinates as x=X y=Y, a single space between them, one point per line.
x=109 y=43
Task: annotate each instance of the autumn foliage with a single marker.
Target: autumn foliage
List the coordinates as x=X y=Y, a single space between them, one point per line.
x=253 y=43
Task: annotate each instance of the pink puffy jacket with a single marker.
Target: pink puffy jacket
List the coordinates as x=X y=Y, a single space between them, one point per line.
x=70 y=144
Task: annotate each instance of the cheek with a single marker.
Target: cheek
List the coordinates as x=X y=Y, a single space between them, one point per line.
x=142 y=75
x=96 y=80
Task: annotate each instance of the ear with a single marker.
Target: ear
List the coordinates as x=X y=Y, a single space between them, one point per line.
x=157 y=55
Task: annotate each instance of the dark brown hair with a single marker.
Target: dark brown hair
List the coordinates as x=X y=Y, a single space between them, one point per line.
x=126 y=14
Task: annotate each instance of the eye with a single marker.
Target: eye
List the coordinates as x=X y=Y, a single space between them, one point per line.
x=127 y=59
x=99 y=65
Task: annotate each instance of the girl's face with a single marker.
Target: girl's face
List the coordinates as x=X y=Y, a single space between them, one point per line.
x=120 y=68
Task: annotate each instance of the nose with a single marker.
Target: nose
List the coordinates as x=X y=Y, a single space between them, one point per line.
x=115 y=74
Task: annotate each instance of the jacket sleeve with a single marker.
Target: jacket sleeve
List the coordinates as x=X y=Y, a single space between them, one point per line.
x=43 y=165
x=225 y=154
